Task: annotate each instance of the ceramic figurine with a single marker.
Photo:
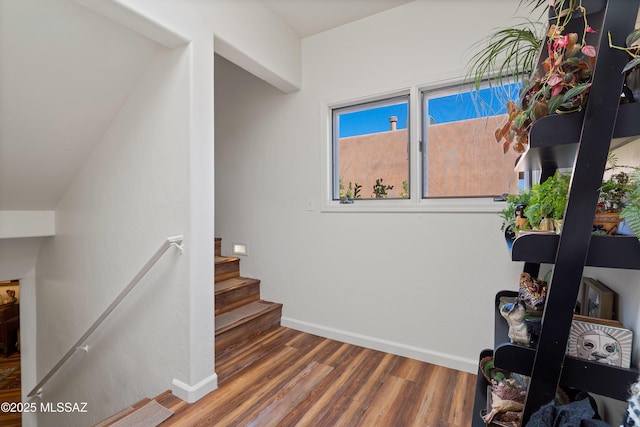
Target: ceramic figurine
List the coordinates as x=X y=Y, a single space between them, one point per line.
x=11 y=297
x=532 y=291
x=522 y=223
x=514 y=314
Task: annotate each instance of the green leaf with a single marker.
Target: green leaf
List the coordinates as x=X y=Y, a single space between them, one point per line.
x=631 y=215
x=554 y=103
x=631 y=64
x=575 y=91
x=519 y=121
x=508 y=54
x=633 y=37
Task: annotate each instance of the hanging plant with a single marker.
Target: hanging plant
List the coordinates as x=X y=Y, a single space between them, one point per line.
x=560 y=85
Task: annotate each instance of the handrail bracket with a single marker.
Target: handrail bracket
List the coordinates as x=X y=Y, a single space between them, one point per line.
x=177 y=242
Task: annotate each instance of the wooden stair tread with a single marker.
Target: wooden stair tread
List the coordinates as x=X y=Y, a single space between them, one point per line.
x=166 y=399
x=123 y=413
x=243 y=314
x=233 y=283
x=223 y=259
x=171 y=401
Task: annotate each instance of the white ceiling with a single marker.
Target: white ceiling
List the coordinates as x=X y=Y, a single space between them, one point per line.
x=65 y=72
x=308 y=17
x=64 y=75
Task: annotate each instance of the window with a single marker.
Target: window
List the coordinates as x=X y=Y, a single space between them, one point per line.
x=371 y=150
x=460 y=156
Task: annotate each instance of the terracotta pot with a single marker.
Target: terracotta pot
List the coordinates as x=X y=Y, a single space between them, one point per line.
x=607 y=222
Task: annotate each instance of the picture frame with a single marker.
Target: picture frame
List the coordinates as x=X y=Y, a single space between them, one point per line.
x=601 y=343
x=597 y=299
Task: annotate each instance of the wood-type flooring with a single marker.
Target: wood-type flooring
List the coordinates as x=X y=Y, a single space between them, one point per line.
x=10 y=390
x=290 y=378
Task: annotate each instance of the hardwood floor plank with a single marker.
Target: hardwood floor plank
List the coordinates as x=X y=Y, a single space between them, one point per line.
x=322 y=399
x=241 y=389
x=288 y=378
x=234 y=361
x=277 y=380
x=11 y=390
x=290 y=396
x=387 y=407
x=461 y=399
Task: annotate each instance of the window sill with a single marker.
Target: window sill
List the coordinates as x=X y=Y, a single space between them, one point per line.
x=467 y=205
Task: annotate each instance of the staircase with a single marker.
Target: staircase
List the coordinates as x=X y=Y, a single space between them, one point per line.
x=240 y=314
x=166 y=399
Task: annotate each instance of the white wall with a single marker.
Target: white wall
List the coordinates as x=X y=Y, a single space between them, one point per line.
x=131 y=195
x=28 y=315
x=246 y=32
x=18 y=256
x=419 y=284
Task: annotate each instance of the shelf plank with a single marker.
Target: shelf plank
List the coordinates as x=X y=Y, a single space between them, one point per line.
x=581 y=374
x=604 y=251
x=480 y=401
x=553 y=140
x=577 y=373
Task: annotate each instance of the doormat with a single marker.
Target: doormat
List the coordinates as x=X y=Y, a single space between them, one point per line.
x=149 y=415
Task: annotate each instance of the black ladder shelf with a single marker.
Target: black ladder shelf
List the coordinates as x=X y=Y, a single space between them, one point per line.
x=581 y=141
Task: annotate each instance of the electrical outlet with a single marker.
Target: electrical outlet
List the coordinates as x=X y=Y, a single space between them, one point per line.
x=309 y=203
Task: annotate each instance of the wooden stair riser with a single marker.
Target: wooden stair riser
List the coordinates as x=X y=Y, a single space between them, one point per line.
x=248 y=328
x=237 y=296
x=218 y=246
x=227 y=269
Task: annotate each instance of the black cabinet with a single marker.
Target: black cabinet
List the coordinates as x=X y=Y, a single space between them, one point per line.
x=580 y=141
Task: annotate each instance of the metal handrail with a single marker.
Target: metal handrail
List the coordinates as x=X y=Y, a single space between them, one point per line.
x=81 y=343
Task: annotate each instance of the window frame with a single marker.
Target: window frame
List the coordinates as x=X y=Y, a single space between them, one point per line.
x=415 y=203
x=335 y=138
x=459 y=87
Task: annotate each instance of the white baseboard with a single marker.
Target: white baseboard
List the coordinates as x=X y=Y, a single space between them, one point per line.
x=193 y=393
x=429 y=356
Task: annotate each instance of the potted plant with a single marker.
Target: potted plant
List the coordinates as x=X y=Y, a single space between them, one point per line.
x=508 y=54
x=513 y=216
x=559 y=85
x=631 y=211
x=548 y=202
x=632 y=69
x=613 y=197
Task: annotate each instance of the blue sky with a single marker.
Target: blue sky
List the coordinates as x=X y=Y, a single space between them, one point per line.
x=460 y=106
x=471 y=105
x=373 y=120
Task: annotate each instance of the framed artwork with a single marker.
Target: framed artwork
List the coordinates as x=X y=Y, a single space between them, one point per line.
x=600 y=343
x=598 y=300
